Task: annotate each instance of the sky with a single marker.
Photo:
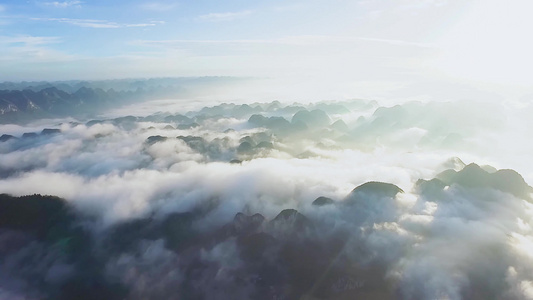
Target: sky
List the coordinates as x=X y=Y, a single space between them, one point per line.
x=478 y=48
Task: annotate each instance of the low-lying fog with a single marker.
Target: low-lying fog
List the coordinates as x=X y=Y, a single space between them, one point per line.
x=167 y=201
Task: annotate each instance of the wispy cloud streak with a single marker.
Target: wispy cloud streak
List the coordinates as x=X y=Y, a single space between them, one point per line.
x=64 y=4
x=93 y=23
x=158 y=6
x=303 y=40
x=29 y=40
x=222 y=17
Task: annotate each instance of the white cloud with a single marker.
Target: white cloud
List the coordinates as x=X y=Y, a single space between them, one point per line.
x=289 y=7
x=302 y=40
x=94 y=23
x=31 y=49
x=158 y=6
x=432 y=243
x=29 y=40
x=220 y=17
x=64 y=4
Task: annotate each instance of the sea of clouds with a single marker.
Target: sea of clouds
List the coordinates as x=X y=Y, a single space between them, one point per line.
x=455 y=241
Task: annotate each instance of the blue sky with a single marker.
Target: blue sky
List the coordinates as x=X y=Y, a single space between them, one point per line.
x=372 y=42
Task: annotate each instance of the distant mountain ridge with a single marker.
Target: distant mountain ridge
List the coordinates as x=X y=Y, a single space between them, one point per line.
x=127 y=84
x=52 y=101
x=23 y=101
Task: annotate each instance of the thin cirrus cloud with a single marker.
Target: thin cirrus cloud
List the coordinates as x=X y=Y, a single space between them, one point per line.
x=223 y=17
x=31 y=49
x=291 y=41
x=93 y=23
x=288 y=40
x=29 y=40
x=64 y=4
x=158 y=6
